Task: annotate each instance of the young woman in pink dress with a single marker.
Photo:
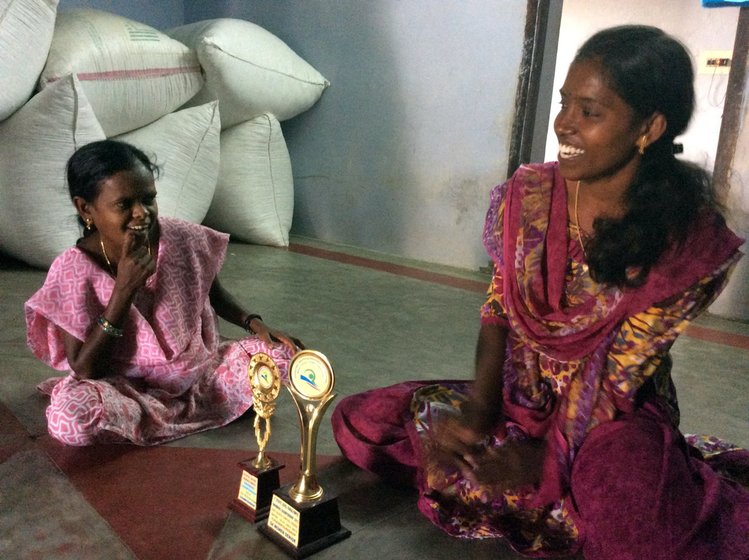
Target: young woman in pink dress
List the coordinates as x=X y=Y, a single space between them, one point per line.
x=130 y=313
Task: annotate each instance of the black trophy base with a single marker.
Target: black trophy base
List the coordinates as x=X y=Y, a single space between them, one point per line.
x=256 y=487
x=313 y=525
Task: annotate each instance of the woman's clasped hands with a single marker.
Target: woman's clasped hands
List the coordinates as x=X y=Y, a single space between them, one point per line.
x=481 y=459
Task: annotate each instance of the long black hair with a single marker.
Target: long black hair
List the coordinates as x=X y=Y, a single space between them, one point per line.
x=652 y=72
x=93 y=163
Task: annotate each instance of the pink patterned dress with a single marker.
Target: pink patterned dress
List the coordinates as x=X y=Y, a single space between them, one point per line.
x=172 y=374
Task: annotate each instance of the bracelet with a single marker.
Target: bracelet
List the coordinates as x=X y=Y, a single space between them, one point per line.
x=248 y=320
x=108 y=327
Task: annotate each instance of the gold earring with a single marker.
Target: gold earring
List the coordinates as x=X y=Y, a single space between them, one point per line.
x=89 y=224
x=642 y=143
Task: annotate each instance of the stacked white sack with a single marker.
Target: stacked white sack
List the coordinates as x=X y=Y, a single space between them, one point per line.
x=37 y=219
x=26 y=28
x=249 y=70
x=185 y=146
x=258 y=80
x=132 y=74
x=250 y=195
x=254 y=199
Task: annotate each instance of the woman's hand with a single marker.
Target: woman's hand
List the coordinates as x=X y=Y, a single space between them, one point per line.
x=90 y=359
x=229 y=308
x=515 y=463
x=269 y=336
x=135 y=264
x=455 y=443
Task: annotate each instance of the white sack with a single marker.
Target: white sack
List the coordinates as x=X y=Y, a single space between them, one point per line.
x=132 y=73
x=37 y=217
x=250 y=70
x=25 y=35
x=254 y=199
x=185 y=145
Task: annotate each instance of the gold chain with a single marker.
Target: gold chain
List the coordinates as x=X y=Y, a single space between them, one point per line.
x=106 y=258
x=577 y=222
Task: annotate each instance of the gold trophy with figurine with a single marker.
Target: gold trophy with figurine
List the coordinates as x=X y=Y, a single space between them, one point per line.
x=260 y=475
x=303 y=517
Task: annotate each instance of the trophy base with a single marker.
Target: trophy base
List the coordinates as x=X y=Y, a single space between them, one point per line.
x=256 y=490
x=303 y=529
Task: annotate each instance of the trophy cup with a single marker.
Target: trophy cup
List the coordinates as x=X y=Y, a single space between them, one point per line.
x=260 y=475
x=303 y=518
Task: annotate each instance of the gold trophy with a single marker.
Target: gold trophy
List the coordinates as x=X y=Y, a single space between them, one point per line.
x=303 y=518
x=260 y=475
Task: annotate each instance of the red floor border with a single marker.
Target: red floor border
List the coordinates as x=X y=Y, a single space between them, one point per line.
x=397 y=269
x=693 y=331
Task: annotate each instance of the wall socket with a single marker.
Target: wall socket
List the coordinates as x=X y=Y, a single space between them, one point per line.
x=715 y=62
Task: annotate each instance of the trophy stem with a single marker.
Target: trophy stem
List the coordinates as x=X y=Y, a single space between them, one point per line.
x=306 y=488
x=260 y=476
x=261 y=461
x=302 y=520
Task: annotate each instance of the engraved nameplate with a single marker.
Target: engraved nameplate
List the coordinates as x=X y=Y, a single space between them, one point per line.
x=248 y=490
x=284 y=520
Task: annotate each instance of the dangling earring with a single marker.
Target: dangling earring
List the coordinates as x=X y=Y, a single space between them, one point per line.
x=89 y=224
x=642 y=143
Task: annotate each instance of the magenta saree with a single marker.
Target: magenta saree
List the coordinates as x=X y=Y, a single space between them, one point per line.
x=586 y=365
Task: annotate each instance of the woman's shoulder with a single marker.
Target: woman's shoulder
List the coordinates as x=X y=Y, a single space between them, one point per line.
x=175 y=227
x=70 y=270
x=529 y=174
x=536 y=171
x=73 y=258
x=182 y=241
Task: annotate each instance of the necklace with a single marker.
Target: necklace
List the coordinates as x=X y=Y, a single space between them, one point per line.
x=577 y=223
x=106 y=258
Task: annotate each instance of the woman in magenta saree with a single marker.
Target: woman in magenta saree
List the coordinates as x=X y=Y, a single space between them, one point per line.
x=568 y=438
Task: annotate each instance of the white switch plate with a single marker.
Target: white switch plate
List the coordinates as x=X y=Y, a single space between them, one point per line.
x=713 y=62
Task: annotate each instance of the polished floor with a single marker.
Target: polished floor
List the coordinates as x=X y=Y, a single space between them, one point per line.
x=379 y=322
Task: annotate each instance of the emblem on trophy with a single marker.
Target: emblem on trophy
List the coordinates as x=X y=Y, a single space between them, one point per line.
x=260 y=475
x=304 y=518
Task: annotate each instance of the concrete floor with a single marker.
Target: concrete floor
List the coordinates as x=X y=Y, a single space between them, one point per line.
x=378 y=321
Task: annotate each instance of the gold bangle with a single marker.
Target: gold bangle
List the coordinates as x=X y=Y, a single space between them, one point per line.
x=109 y=328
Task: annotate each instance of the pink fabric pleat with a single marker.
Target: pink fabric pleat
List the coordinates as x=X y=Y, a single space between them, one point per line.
x=373 y=430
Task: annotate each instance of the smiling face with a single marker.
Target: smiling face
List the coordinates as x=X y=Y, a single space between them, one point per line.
x=125 y=205
x=597 y=130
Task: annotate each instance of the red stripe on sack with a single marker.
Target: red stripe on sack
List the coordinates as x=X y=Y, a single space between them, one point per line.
x=136 y=74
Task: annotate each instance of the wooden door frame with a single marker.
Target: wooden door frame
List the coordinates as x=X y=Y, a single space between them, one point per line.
x=529 y=80
x=527 y=95
x=730 y=125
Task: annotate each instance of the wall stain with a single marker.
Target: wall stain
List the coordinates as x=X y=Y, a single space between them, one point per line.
x=469 y=198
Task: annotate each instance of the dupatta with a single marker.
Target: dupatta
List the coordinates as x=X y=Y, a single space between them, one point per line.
x=528 y=242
